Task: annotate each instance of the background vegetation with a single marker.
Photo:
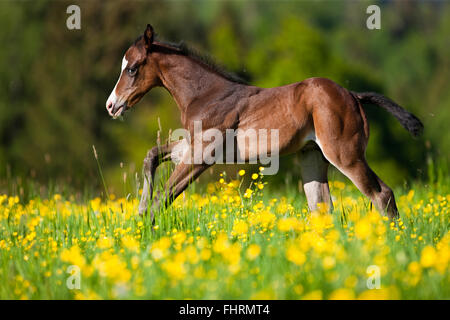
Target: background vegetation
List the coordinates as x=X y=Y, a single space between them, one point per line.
x=54 y=82
x=228 y=238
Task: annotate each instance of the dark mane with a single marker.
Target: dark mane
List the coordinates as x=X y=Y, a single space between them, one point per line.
x=205 y=59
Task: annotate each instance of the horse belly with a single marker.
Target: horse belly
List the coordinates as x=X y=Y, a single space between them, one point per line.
x=254 y=142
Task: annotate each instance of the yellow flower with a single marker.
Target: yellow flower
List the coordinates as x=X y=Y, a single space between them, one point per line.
x=339 y=185
x=254 y=176
x=248 y=193
x=160 y=247
x=323 y=207
x=253 y=251
x=232 y=255
x=288 y=224
x=262 y=295
x=313 y=295
x=130 y=243
x=221 y=243
x=410 y=195
x=205 y=254
x=294 y=255
x=112 y=267
x=179 y=237
x=73 y=256
x=240 y=227
x=342 y=294
x=428 y=257
x=91 y=295
x=363 y=229
x=414 y=268
x=390 y=293
x=328 y=262
x=174 y=269
x=241 y=172
x=95 y=204
x=105 y=243
x=192 y=255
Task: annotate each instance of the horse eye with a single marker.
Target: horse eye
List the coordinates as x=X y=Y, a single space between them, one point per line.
x=131 y=71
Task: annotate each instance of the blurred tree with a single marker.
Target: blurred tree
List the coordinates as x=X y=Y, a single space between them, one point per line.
x=54 y=81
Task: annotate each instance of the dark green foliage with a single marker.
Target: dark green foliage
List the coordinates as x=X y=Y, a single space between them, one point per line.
x=54 y=82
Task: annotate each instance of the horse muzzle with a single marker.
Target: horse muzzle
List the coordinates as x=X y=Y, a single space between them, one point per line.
x=115 y=109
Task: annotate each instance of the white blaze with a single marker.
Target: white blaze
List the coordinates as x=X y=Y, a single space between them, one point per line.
x=112 y=97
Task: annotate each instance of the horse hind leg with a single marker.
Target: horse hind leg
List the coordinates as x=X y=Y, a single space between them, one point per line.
x=355 y=167
x=373 y=187
x=314 y=171
x=342 y=132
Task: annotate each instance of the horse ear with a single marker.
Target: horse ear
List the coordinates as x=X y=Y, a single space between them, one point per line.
x=148 y=36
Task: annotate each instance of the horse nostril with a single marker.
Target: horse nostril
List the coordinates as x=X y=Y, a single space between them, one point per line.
x=109 y=106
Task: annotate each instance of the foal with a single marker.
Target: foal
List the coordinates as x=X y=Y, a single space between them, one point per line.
x=317 y=117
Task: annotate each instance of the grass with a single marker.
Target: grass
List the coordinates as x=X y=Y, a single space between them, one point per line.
x=227 y=242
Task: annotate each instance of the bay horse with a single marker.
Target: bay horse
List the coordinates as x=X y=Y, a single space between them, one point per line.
x=323 y=121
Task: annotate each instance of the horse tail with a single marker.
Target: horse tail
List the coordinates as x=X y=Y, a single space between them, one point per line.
x=409 y=121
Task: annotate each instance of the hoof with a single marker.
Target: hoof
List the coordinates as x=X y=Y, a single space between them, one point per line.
x=142 y=212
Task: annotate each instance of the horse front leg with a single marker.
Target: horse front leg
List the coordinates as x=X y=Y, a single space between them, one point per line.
x=182 y=176
x=154 y=158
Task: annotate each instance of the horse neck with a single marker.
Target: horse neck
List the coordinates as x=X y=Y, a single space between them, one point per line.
x=189 y=81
